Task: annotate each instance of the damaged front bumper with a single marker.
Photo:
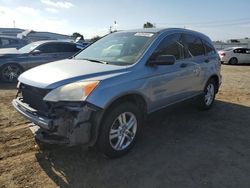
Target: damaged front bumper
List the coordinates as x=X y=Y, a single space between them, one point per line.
x=68 y=123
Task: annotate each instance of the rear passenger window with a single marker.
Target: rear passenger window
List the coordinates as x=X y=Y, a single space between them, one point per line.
x=13 y=41
x=68 y=48
x=194 y=46
x=171 y=45
x=5 y=42
x=209 y=49
x=240 y=51
x=58 y=47
x=50 y=48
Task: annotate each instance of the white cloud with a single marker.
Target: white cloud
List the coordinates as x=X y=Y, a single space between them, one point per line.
x=26 y=17
x=57 y=4
x=245 y=25
x=27 y=11
x=51 y=10
x=31 y=18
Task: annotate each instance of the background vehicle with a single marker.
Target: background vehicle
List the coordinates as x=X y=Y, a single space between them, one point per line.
x=100 y=98
x=235 y=55
x=11 y=42
x=13 y=62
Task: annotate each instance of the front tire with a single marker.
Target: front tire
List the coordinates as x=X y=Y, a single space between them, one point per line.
x=120 y=128
x=10 y=73
x=207 y=98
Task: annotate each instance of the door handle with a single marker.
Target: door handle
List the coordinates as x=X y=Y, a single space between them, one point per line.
x=207 y=60
x=183 y=65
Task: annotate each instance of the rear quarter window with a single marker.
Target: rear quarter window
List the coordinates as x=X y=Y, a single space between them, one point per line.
x=209 y=49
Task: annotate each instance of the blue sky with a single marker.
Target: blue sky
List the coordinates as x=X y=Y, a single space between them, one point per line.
x=221 y=19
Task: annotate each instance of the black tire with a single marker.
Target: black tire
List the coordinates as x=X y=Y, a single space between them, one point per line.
x=10 y=72
x=233 y=61
x=104 y=143
x=205 y=101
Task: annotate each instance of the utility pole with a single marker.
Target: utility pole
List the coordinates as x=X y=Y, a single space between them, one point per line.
x=110 y=29
x=115 y=26
x=14 y=23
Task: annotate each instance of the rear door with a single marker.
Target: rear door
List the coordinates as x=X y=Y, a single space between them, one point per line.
x=196 y=62
x=244 y=55
x=67 y=50
x=48 y=52
x=241 y=55
x=247 y=55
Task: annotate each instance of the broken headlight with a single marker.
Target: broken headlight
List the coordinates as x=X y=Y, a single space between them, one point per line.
x=77 y=91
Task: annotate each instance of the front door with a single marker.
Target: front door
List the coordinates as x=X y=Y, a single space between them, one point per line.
x=171 y=83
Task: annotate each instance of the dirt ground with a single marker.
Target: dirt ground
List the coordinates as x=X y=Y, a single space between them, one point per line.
x=180 y=147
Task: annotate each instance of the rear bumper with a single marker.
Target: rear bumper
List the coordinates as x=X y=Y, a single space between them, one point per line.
x=224 y=59
x=70 y=127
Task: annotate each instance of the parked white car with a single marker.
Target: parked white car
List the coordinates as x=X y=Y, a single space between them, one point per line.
x=235 y=55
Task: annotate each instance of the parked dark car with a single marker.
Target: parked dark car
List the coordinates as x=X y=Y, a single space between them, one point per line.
x=13 y=62
x=11 y=42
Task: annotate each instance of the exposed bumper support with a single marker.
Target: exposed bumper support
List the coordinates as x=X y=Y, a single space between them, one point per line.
x=32 y=115
x=46 y=137
x=71 y=126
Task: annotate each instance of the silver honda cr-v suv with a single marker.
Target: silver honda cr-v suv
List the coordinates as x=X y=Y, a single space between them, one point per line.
x=101 y=96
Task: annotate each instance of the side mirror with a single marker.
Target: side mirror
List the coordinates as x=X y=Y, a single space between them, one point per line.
x=35 y=52
x=162 y=60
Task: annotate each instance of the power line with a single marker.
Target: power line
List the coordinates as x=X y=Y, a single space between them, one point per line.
x=210 y=23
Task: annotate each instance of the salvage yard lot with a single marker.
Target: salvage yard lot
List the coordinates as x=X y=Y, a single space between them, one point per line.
x=180 y=147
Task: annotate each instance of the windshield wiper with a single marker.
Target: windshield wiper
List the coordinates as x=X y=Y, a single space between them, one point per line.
x=96 y=61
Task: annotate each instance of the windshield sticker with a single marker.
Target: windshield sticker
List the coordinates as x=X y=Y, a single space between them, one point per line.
x=144 y=34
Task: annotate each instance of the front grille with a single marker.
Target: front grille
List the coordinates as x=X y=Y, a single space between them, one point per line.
x=34 y=97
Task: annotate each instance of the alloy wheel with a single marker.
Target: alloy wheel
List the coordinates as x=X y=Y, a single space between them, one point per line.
x=209 y=96
x=10 y=73
x=123 y=131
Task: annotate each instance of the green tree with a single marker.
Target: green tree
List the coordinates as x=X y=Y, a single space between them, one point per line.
x=75 y=35
x=95 y=38
x=148 y=25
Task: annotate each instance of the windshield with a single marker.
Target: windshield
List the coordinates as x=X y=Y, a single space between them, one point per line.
x=123 y=48
x=28 y=48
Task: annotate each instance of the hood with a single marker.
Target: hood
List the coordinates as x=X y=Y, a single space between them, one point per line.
x=62 y=72
x=6 y=51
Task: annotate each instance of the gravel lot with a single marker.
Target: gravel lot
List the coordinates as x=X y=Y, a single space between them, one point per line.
x=180 y=147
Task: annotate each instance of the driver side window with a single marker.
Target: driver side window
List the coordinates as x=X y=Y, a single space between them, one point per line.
x=50 y=48
x=171 y=45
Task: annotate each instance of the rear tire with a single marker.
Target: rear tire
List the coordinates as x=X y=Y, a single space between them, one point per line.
x=233 y=61
x=119 y=130
x=206 y=100
x=10 y=72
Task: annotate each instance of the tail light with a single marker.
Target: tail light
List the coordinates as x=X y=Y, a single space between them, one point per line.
x=222 y=54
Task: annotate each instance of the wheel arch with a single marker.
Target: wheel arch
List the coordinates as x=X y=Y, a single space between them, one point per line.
x=11 y=63
x=216 y=79
x=134 y=98
x=98 y=117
